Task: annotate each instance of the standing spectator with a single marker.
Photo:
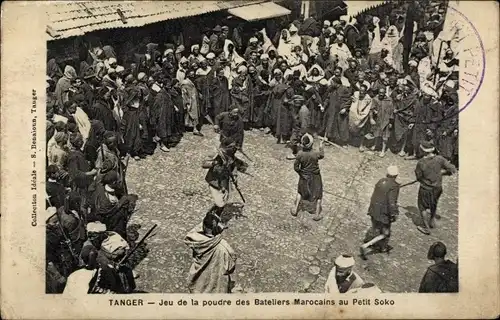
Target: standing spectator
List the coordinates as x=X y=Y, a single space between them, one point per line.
x=442 y=276
x=63 y=85
x=191 y=103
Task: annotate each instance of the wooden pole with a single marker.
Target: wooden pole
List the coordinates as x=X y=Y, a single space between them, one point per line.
x=408 y=34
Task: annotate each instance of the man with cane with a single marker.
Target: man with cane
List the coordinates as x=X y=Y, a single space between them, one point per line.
x=383 y=211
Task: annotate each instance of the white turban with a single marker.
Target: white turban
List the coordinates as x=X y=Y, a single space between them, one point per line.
x=50 y=212
x=392 y=171
x=96 y=227
x=264 y=56
x=210 y=55
x=344 y=18
x=344 y=261
x=242 y=69
x=112 y=60
x=168 y=51
x=413 y=63
x=327 y=23
x=141 y=76
x=120 y=69
x=335 y=22
x=450 y=83
x=253 y=39
x=428 y=90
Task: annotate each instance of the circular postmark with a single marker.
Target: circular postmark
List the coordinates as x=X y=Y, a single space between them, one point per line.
x=471 y=55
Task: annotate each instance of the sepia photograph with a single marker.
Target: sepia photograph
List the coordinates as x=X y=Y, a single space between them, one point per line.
x=249 y=159
x=253 y=146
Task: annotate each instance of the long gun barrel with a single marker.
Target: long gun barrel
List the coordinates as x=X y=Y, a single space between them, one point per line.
x=127 y=256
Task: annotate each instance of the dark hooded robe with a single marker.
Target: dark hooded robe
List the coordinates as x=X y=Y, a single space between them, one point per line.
x=114 y=215
x=440 y=277
x=162 y=115
x=74 y=230
x=279 y=113
x=258 y=98
x=101 y=110
x=203 y=85
x=131 y=131
x=240 y=98
x=314 y=99
x=178 y=125
x=404 y=115
x=336 y=125
x=77 y=167
x=221 y=97
x=427 y=116
x=447 y=141
x=384 y=115
x=94 y=141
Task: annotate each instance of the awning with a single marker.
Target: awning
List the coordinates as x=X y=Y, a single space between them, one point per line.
x=259 y=11
x=75 y=18
x=356 y=7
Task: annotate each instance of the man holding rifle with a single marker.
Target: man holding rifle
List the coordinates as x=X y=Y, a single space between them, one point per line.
x=221 y=172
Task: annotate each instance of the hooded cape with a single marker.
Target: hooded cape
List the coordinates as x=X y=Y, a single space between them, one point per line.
x=214 y=261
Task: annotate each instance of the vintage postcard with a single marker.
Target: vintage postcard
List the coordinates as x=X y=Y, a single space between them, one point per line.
x=249 y=159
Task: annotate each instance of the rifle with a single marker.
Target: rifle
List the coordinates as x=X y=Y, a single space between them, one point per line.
x=236 y=187
x=435 y=77
x=67 y=240
x=127 y=256
x=246 y=156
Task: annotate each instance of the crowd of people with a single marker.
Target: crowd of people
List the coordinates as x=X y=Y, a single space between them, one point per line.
x=343 y=81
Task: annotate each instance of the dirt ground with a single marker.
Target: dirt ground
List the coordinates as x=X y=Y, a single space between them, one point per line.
x=278 y=252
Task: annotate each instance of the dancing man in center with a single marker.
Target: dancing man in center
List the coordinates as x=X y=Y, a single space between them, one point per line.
x=221 y=171
x=310 y=186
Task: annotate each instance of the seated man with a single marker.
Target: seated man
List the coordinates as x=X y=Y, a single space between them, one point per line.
x=341 y=278
x=214 y=259
x=110 y=208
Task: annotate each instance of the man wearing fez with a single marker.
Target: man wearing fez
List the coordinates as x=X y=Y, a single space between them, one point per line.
x=341 y=278
x=383 y=211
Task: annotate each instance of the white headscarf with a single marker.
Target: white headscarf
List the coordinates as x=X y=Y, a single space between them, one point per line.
x=315 y=79
x=285 y=46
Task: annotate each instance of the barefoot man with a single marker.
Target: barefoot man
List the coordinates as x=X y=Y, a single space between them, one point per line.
x=429 y=172
x=310 y=186
x=383 y=211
